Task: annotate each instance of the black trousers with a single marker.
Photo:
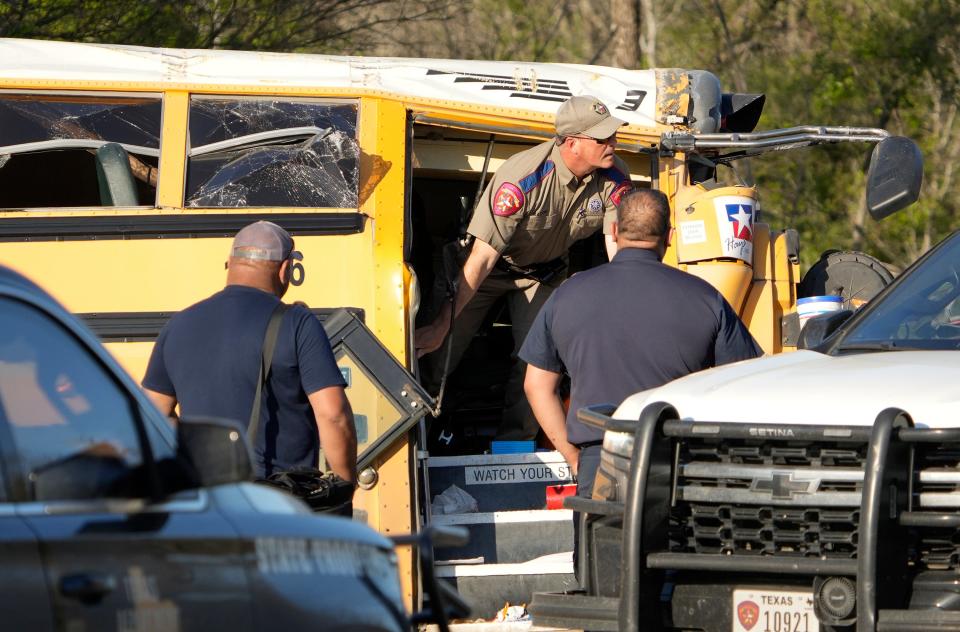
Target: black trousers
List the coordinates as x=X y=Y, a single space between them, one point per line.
x=587 y=467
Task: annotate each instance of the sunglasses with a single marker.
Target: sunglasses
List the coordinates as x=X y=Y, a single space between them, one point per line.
x=609 y=140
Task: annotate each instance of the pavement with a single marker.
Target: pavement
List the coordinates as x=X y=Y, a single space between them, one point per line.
x=494 y=626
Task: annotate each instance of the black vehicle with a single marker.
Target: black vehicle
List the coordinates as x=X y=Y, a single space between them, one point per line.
x=111 y=518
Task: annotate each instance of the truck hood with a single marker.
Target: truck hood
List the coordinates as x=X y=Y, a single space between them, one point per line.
x=805 y=387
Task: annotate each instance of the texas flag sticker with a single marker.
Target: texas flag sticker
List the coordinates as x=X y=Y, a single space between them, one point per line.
x=742 y=217
x=735 y=214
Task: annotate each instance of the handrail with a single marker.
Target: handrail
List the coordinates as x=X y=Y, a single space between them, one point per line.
x=76 y=143
x=780 y=139
x=258 y=138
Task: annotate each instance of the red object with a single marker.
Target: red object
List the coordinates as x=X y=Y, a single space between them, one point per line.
x=556 y=494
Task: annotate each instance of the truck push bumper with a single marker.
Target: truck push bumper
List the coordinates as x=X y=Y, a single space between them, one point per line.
x=575 y=610
x=918 y=621
x=754 y=506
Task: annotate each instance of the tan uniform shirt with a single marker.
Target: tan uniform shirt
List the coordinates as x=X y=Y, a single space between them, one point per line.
x=534 y=208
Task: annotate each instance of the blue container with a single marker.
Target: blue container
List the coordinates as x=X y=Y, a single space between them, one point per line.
x=512 y=447
x=812 y=306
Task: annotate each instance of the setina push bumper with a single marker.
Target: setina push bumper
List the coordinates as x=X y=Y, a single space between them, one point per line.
x=766 y=528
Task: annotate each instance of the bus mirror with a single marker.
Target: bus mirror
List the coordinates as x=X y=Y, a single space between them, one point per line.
x=705 y=93
x=739 y=112
x=895 y=176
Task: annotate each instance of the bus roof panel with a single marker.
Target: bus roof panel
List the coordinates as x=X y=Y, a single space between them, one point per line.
x=532 y=87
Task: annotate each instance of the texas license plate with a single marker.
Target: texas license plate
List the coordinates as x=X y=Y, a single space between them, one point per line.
x=773 y=611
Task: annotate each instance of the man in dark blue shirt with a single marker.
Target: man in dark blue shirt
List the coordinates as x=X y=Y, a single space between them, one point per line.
x=207 y=359
x=623 y=327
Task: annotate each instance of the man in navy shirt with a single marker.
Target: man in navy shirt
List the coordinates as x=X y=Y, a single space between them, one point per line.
x=623 y=327
x=207 y=360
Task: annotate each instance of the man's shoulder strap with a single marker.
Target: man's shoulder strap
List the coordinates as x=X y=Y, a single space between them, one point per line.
x=270 y=338
x=266 y=360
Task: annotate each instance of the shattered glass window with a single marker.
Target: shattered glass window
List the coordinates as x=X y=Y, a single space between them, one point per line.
x=78 y=151
x=272 y=153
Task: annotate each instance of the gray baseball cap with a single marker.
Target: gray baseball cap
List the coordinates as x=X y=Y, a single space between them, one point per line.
x=264 y=241
x=586 y=116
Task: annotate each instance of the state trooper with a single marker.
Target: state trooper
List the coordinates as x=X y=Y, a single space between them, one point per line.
x=535 y=207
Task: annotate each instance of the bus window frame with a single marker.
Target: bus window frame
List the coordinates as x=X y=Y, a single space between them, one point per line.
x=192 y=95
x=81 y=96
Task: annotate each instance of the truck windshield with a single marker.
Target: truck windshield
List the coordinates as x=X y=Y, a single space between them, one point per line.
x=921 y=312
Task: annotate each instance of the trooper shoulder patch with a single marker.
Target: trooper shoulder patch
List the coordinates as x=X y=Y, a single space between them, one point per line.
x=508 y=200
x=617 y=194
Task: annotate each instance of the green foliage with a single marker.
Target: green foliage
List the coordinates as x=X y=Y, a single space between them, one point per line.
x=287 y=25
x=891 y=64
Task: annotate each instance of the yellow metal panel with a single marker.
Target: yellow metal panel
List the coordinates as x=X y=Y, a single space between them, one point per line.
x=695 y=204
x=173 y=150
x=383 y=142
x=383 y=136
x=671 y=174
x=759 y=316
x=133 y=356
x=162 y=275
x=762 y=252
x=460 y=156
x=786 y=276
x=731 y=278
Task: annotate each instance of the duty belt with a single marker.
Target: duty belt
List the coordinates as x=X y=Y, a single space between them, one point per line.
x=542 y=272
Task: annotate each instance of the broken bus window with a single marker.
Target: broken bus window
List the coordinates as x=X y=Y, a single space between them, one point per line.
x=272 y=153
x=48 y=145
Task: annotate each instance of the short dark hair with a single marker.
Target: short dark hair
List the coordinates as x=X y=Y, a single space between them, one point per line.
x=644 y=215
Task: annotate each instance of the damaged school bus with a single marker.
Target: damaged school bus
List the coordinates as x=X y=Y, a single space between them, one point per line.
x=125 y=172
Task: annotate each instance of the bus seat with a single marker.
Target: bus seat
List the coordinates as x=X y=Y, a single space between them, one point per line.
x=117 y=186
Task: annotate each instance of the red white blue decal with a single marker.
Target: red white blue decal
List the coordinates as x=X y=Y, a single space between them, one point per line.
x=619 y=192
x=742 y=217
x=508 y=200
x=735 y=215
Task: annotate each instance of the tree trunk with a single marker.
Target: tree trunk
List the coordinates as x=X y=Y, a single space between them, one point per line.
x=626 y=41
x=648 y=38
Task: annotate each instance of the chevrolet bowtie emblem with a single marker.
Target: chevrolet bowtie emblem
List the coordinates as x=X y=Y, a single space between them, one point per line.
x=782 y=486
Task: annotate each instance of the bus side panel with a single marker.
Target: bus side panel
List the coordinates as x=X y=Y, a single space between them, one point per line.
x=104 y=279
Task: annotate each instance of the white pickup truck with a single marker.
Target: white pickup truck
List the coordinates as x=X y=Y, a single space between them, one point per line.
x=815 y=490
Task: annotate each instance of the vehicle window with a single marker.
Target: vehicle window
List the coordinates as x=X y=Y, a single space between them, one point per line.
x=373 y=412
x=61 y=152
x=272 y=153
x=922 y=312
x=72 y=424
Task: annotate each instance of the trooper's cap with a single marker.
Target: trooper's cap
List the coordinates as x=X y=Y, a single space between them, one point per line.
x=586 y=116
x=264 y=241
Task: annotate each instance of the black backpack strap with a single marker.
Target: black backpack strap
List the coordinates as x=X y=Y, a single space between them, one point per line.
x=266 y=361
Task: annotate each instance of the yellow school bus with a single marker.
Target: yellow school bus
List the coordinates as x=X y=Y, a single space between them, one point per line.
x=125 y=171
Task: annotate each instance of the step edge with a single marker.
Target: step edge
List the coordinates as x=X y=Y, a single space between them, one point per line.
x=503 y=517
x=519 y=458
x=553 y=564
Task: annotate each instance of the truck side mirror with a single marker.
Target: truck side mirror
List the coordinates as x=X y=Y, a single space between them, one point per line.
x=894 y=177
x=216 y=450
x=821 y=327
